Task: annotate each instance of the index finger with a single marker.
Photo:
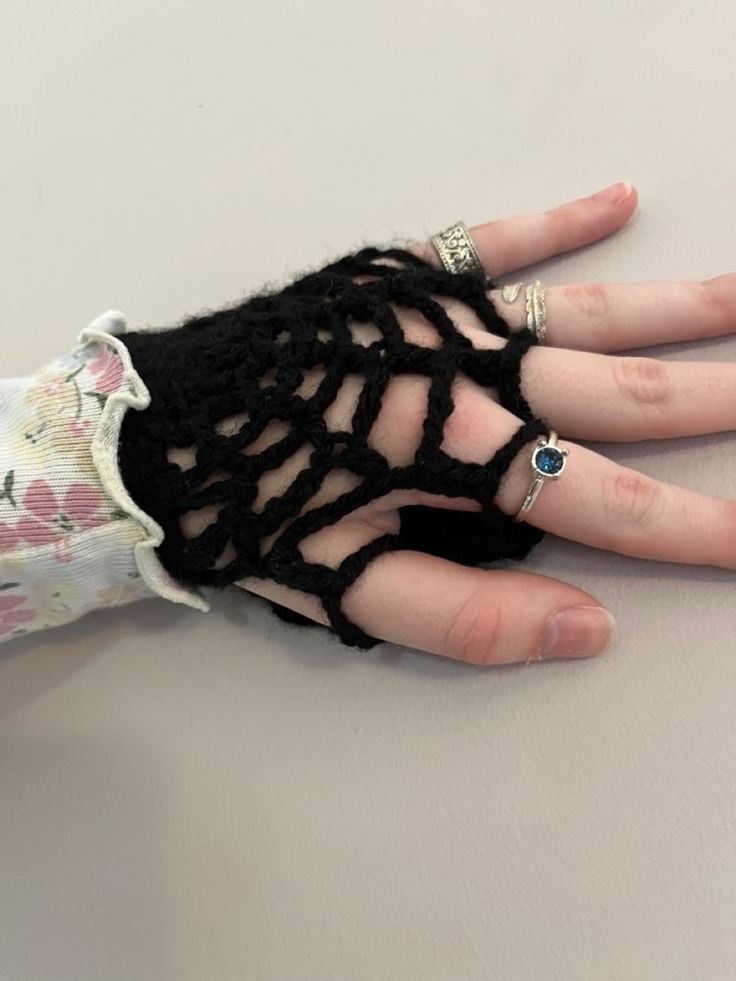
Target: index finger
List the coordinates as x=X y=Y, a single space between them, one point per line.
x=509 y=244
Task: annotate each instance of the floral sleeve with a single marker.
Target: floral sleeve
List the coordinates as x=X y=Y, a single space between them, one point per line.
x=71 y=538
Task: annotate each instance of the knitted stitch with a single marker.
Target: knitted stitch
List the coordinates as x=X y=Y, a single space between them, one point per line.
x=251 y=359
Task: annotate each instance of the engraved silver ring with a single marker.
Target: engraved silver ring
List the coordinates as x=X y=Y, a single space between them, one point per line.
x=457 y=251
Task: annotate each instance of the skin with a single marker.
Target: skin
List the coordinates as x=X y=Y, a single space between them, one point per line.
x=587 y=391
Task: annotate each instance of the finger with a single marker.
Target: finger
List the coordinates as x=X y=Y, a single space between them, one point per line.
x=615 y=317
x=600 y=503
x=472 y=615
x=587 y=395
x=596 y=502
x=511 y=243
x=595 y=396
x=602 y=397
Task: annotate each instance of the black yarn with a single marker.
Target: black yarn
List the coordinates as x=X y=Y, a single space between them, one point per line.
x=213 y=367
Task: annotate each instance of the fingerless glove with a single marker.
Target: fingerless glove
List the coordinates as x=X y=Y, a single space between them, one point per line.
x=249 y=361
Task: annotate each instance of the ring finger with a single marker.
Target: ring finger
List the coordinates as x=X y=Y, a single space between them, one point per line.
x=615 y=317
x=600 y=503
x=597 y=502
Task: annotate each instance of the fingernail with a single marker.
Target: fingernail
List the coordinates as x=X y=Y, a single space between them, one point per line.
x=614 y=193
x=577 y=631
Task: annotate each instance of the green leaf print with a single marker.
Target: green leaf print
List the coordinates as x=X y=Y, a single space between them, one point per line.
x=100 y=396
x=74 y=373
x=7 y=491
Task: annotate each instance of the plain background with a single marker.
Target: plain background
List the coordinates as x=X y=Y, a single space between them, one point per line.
x=226 y=797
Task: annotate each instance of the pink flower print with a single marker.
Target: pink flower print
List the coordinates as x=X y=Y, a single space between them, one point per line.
x=10 y=616
x=63 y=550
x=79 y=428
x=9 y=537
x=54 y=386
x=48 y=521
x=108 y=368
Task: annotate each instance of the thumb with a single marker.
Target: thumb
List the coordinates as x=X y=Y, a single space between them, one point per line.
x=475 y=615
x=478 y=616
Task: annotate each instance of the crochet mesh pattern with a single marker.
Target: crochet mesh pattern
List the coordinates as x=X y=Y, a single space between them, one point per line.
x=249 y=362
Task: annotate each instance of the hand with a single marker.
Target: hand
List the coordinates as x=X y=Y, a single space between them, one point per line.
x=492 y=617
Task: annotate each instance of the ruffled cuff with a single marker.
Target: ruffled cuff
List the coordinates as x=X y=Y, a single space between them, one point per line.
x=133 y=394
x=71 y=537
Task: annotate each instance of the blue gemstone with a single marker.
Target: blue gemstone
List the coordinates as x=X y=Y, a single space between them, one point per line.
x=549 y=460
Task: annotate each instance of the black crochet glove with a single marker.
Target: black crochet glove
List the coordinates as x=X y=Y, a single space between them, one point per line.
x=231 y=388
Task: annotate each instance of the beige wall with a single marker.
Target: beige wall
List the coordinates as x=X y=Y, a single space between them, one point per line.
x=186 y=797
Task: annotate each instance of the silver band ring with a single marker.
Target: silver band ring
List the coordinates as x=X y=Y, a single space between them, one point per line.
x=510 y=292
x=536 y=314
x=547 y=463
x=457 y=251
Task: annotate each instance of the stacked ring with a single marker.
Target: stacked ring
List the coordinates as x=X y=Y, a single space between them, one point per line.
x=536 y=313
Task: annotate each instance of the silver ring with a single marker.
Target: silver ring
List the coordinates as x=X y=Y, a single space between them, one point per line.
x=536 y=314
x=547 y=463
x=511 y=291
x=457 y=251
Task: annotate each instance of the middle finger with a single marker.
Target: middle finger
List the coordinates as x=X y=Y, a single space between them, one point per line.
x=602 y=397
x=586 y=395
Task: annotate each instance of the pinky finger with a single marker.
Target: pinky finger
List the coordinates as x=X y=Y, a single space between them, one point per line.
x=482 y=617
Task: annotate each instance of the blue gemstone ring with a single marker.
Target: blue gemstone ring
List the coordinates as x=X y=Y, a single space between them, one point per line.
x=547 y=463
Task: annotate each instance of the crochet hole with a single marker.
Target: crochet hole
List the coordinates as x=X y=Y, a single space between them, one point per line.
x=332 y=545
x=398 y=427
x=183 y=456
x=214 y=478
x=384 y=261
x=416 y=328
x=337 y=483
x=231 y=425
x=469 y=435
x=268 y=379
x=226 y=556
x=364 y=334
x=193 y=523
x=339 y=414
x=275 y=482
x=312 y=380
x=273 y=432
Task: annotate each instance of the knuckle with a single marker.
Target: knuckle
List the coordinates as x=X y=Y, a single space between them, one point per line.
x=729 y=524
x=475 y=631
x=426 y=252
x=644 y=382
x=718 y=297
x=588 y=299
x=633 y=501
